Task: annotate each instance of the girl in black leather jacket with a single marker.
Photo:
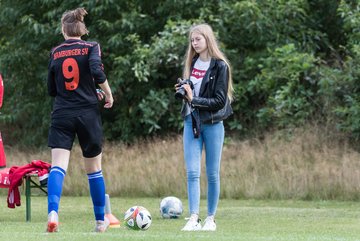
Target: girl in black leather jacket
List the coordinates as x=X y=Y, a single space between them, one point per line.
x=206 y=104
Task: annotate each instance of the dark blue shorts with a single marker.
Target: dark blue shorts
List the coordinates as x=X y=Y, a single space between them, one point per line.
x=87 y=127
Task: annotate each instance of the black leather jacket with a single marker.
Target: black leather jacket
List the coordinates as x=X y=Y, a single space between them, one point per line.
x=212 y=102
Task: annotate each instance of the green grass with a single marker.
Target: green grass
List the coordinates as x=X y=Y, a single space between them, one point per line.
x=236 y=220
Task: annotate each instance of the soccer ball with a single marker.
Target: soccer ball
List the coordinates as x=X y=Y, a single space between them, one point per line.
x=137 y=218
x=143 y=219
x=171 y=207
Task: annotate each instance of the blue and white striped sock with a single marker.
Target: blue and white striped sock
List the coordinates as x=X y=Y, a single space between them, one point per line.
x=55 y=184
x=97 y=192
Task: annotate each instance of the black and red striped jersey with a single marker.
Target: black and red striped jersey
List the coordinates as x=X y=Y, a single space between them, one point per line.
x=75 y=68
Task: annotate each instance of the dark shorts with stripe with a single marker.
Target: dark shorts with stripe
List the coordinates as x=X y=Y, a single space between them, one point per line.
x=87 y=127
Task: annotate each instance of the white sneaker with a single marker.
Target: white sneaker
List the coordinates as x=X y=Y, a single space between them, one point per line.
x=192 y=225
x=209 y=224
x=101 y=226
x=53 y=222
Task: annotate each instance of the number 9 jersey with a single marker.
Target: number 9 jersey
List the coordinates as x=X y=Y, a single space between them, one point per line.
x=75 y=68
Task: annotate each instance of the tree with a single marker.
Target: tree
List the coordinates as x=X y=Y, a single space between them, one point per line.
x=288 y=64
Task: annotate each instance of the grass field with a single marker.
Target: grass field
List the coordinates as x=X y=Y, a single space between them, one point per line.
x=236 y=220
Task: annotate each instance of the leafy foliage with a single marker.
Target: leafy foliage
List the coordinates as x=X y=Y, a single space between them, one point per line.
x=294 y=61
x=286 y=87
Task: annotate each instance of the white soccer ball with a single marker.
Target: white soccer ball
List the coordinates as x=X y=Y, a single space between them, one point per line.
x=137 y=218
x=171 y=207
x=143 y=219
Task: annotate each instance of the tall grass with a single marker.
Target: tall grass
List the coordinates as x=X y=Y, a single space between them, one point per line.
x=306 y=164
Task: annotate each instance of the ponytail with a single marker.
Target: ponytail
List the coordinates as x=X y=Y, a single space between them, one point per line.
x=73 y=22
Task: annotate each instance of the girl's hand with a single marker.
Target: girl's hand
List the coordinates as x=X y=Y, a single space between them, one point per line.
x=189 y=93
x=109 y=100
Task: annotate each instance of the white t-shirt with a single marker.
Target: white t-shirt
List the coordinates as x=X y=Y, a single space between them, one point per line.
x=197 y=74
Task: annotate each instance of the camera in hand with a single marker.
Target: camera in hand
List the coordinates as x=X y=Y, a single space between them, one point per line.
x=181 y=92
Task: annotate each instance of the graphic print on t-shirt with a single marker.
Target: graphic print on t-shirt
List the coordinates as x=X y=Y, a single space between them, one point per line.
x=198 y=73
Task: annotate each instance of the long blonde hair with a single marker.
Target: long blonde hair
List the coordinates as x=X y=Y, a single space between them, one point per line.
x=213 y=50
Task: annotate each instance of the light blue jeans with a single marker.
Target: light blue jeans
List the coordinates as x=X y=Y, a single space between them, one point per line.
x=212 y=138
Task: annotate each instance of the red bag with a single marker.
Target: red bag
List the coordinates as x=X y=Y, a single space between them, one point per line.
x=1 y=91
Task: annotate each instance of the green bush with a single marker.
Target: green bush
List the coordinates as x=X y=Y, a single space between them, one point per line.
x=293 y=62
x=285 y=86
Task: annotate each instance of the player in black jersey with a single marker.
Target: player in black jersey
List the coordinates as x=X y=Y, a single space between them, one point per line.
x=75 y=70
